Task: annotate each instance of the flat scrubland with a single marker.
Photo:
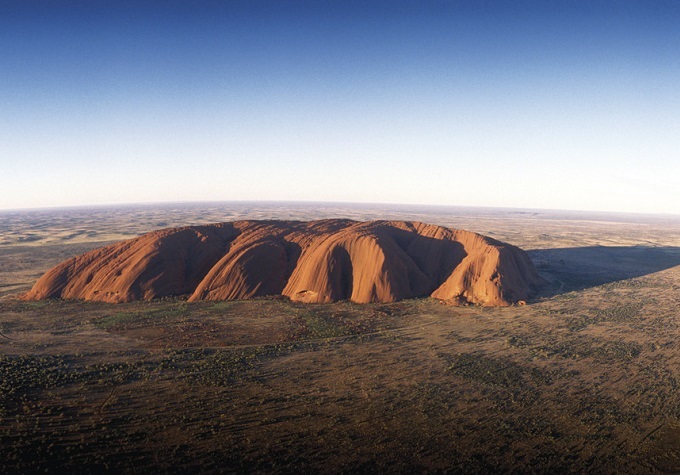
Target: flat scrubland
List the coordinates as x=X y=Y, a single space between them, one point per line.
x=585 y=378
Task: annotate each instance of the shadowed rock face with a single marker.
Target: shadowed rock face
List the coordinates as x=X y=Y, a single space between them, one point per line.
x=317 y=261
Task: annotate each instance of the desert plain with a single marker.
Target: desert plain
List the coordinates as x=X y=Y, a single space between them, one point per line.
x=584 y=378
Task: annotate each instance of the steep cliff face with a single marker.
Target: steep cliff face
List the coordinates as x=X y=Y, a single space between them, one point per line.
x=317 y=261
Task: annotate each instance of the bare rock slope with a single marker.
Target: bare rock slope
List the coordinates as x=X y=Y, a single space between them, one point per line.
x=317 y=261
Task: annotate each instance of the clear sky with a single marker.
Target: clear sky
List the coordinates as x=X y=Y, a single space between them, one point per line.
x=538 y=104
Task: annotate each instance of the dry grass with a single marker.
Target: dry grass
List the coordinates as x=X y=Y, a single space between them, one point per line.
x=584 y=380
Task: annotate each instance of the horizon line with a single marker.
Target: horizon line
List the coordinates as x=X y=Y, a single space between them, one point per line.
x=345 y=203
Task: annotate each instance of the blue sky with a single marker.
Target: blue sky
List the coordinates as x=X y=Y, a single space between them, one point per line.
x=538 y=104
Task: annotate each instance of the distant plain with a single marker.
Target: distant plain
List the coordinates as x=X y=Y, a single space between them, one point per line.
x=584 y=378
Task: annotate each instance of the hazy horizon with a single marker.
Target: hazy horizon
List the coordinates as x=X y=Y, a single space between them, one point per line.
x=529 y=105
x=392 y=209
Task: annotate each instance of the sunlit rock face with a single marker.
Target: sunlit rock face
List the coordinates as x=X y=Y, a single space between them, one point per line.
x=315 y=261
